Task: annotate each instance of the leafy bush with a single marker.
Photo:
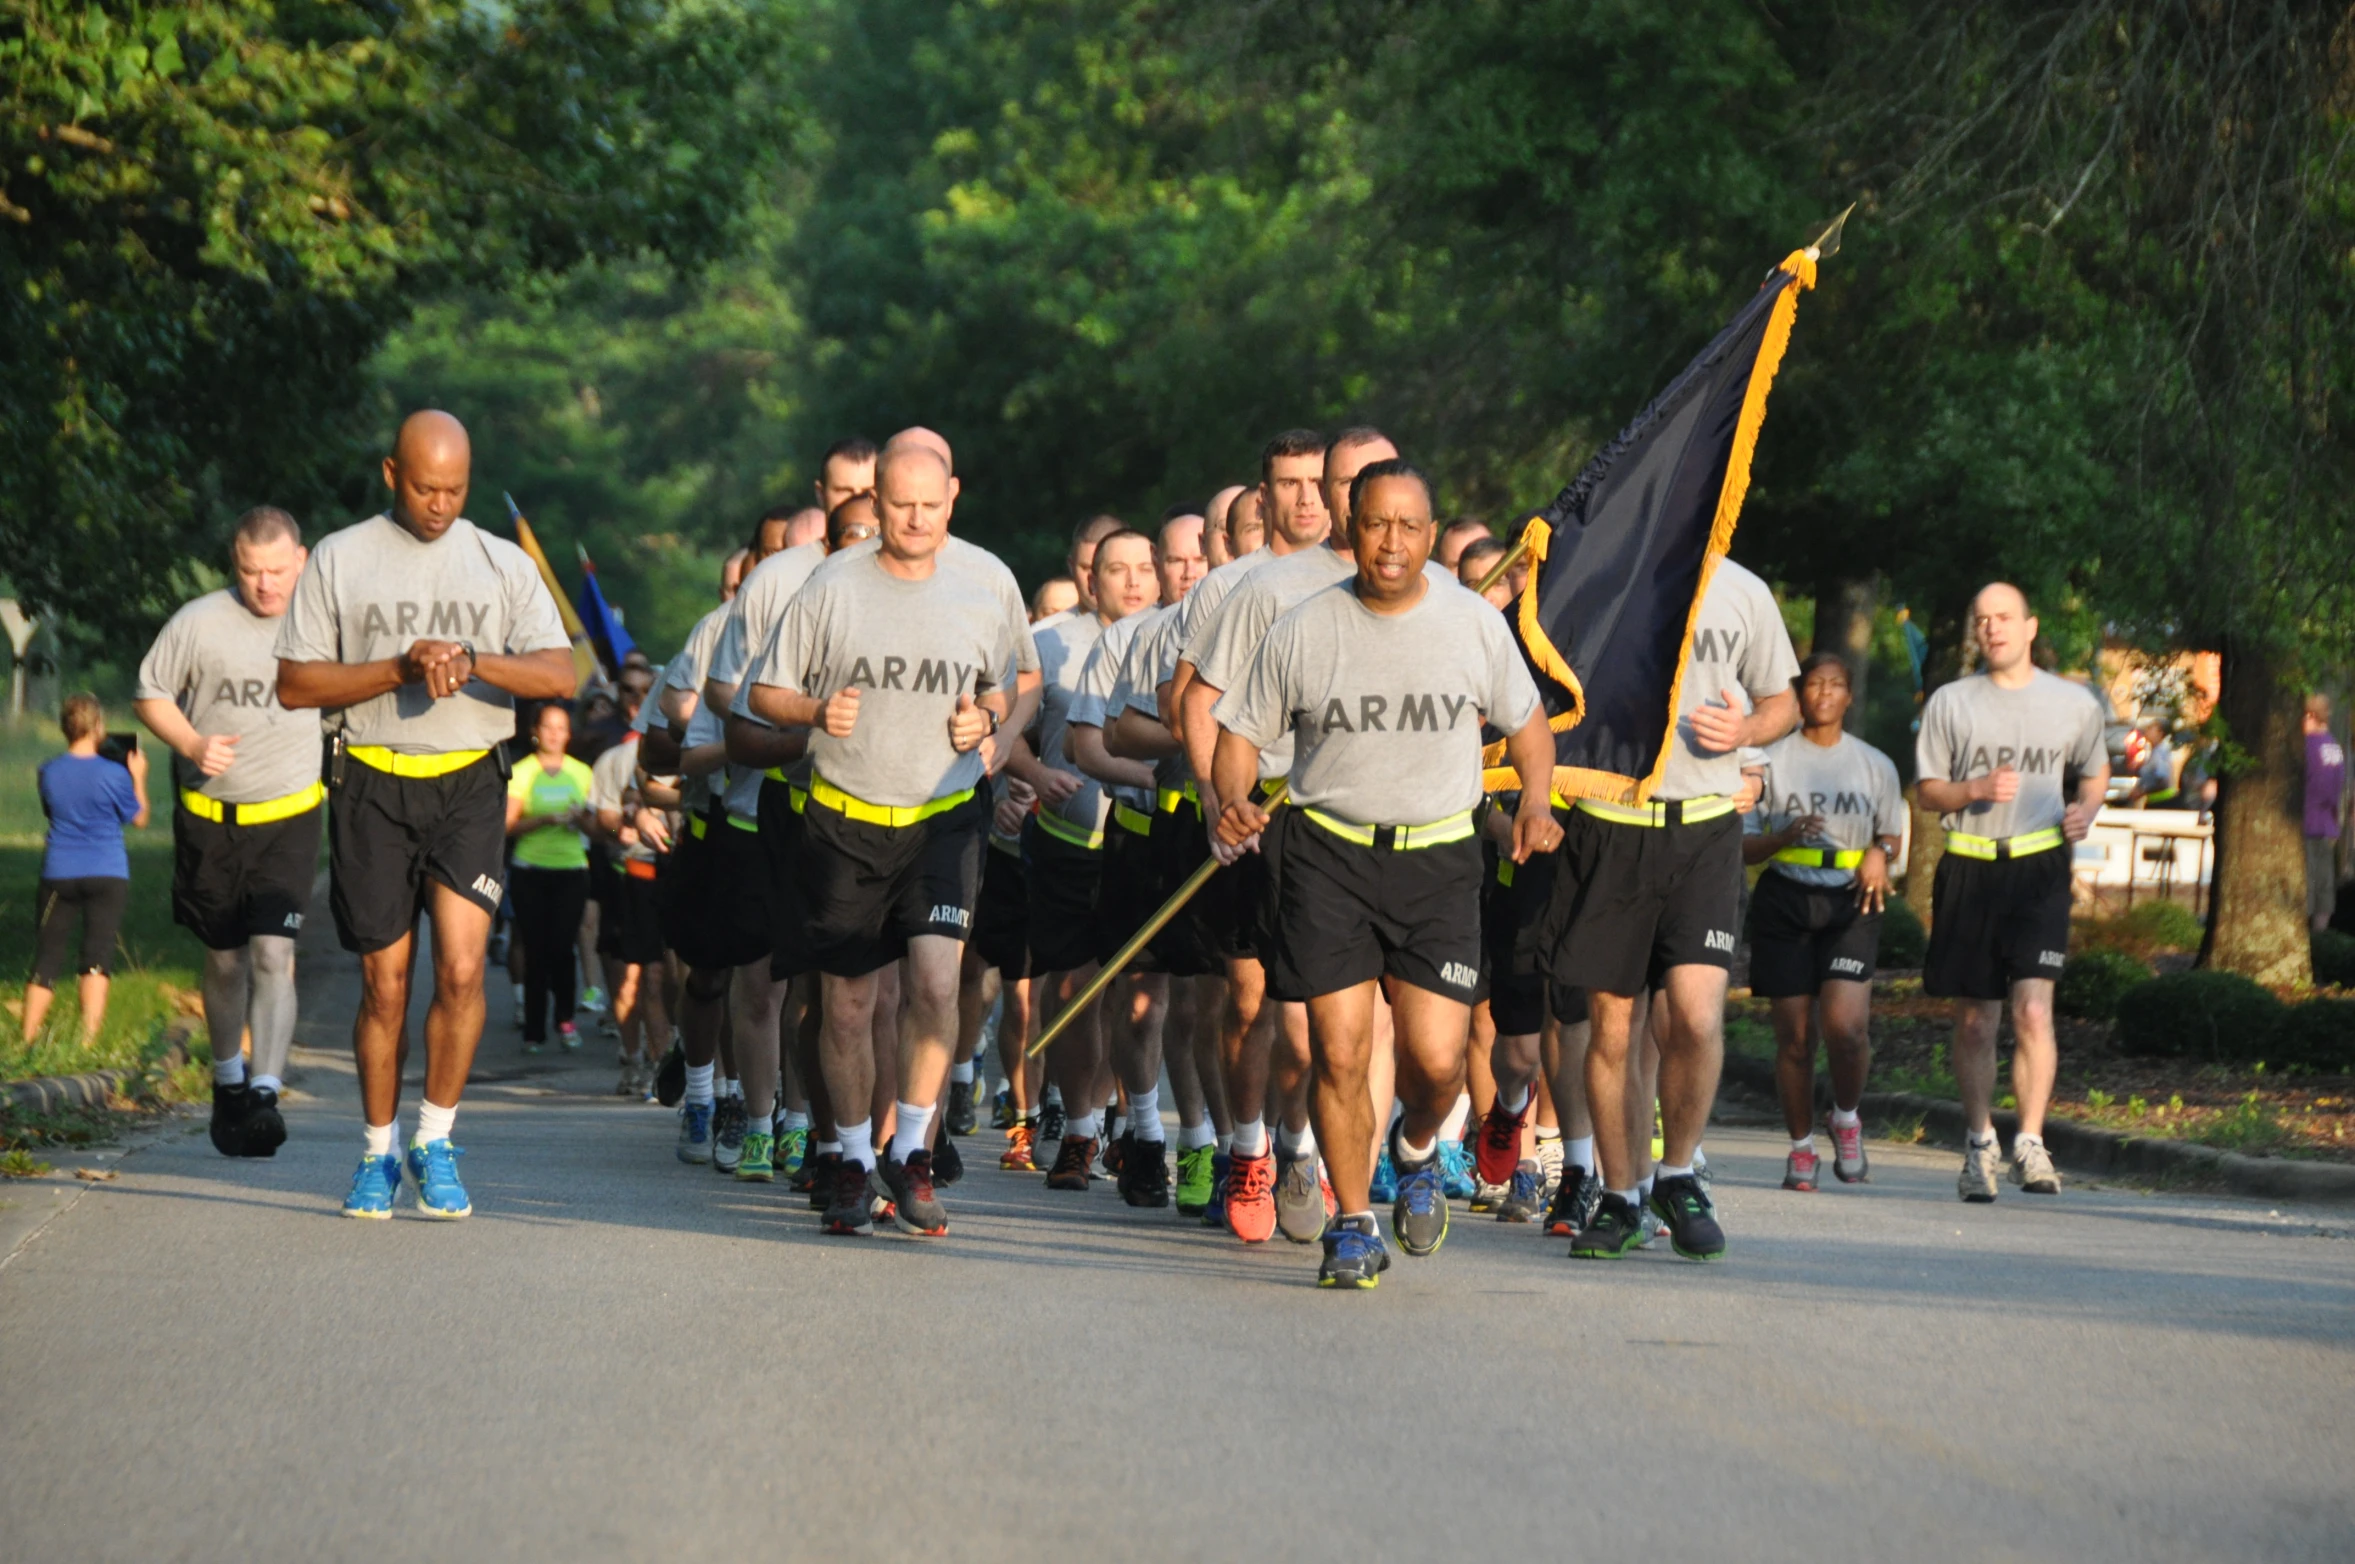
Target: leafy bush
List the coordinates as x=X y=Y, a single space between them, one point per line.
x=2334 y=959
x=2144 y=930
x=2199 y=1015
x=2094 y=981
x=2319 y=1034
x=1903 y=940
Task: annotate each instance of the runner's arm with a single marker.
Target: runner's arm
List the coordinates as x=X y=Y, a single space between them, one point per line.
x=1089 y=753
x=1200 y=734
x=702 y=760
x=1236 y=765
x=167 y=722
x=762 y=747
x=1135 y=736
x=658 y=753
x=305 y=685
x=1531 y=750
x=536 y=676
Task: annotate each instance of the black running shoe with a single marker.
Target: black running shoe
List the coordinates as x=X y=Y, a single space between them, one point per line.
x=1692 y=1221
x=909 y=1187
x=1051 y=1119
x=670 y=1077
x=961 y=1117
x=1575 y=1198
x=231 y=1104
x=846 y=1206
x=1144 y=1173
x=265 y=1128
x=1355 y=1256
x=1071 y=1164
x=1617 y=1229
x=948 y=1163
x=823 y=1169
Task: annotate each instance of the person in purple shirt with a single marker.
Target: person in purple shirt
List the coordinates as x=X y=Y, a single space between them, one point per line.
x=88 y=798
x=2326 y=804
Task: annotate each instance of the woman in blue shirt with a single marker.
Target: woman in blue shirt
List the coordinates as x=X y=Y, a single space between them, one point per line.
x=84 y=869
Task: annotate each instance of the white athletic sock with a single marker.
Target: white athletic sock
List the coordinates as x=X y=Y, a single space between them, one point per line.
x=1223 y=1144
x=1804 y=1143
x=1544 y=1134
x=1580 y=1151
x=1366 y=1217
x=699 y=1084
x=909 y=1130
x=1144 y=1116
x=1250 y=1138
x=229 y=1071
x=1700 y=1159
x=1415 y=1156
x=1193 y=1137
x=1452 y=1128
x=759 y=1123
x=1119 y=1125
x=858 y=1143
x=1661 y=1172
x=433 y=1122
x=1845 y=1119
x=1634 y=1197
x=962 y=1072
x=1977 y=1139
x=825 y=1146
x=734 y=1088
x=1054 y=1095
x=1296 y=1146
x=2024 y=1138
x=1643 y=1186
x=267 y=1083
x=1083 y=1126
x=1518 y=1100
x=381 y=1138
x=794 y=1120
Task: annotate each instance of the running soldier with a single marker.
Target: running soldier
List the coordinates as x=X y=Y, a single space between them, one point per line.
x=416 y=632
x=245 y=837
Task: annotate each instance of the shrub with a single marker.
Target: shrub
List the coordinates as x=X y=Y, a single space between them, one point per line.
x=2319 y=1034
x=2162 y=925
x=2334 y=959
x=1903 y=941
x=2093 y=982
x=2198 y=1015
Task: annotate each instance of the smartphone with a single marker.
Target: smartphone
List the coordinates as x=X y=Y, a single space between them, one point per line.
x=119 y=747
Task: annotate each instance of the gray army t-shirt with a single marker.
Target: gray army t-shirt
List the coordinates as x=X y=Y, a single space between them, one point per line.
x=910 y=648
x=704 y=726
x=375 y=588
x=1852 y=785
x=217 y=660
x=1739 y=643
x=1201 y=603
x=1975 y=726
x=610 y=778
x=1152 y=662
x=977 y=565
x=1063 y=649
x=1385 y=708
x=753 y=617
x=1098 y=697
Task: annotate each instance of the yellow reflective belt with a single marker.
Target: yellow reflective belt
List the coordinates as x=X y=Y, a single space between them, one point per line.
x=1691 y=811
x=263 y=813
x=1991 y=848
x=695 y=827
x=834 y=798
x=775 y=774
x=377 y=758
x=1064 y=831
x=742 y=824
x=1170 y=797
x=1504 y=872
x=799 y=796
x=1403 y=838
x=1135 y=821
x=1821 y=857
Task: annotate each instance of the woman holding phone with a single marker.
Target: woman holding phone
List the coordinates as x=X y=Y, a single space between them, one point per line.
x=89 y=797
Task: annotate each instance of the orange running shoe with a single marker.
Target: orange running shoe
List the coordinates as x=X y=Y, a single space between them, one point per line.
x=1251 y=1197
x=1020 y=1140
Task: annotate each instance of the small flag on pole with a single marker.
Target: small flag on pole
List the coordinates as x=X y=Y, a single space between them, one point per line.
x=602 y=620
x=584 y=659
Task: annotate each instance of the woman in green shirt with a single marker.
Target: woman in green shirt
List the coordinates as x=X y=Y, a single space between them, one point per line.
x=547 y=810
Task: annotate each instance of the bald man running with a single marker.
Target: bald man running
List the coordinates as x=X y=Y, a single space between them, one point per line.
x=416 y=632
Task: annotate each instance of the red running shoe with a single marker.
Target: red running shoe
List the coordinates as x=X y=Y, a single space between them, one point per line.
x=1498 y=1151
x=1251 y=1197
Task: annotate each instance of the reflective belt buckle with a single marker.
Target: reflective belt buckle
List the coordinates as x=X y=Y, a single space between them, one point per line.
x=378 y=758
x=892 y=815
x=1821 y=857
x=1661 y=813
x=270 y=810
x=1397 y=838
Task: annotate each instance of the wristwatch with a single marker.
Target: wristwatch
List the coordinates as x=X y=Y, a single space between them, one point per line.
x=995 y=721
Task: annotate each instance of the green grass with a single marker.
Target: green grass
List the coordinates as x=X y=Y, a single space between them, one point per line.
x=156 y=971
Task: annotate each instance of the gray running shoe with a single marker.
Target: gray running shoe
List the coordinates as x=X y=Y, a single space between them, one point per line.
x=2032 y=1167
x=727 y=1134
x=1849 y=1163
x=1300 y=1201
x=1977 y=1183
x=1549 y=1164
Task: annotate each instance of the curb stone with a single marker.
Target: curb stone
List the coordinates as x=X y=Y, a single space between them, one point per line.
x=2100 y=1153
x=49 y=1093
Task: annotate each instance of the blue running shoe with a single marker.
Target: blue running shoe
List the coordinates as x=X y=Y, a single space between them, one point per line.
x=1455 y=1171
x=695 y=1132
x=1214 y=1214
x=433 y=1168
x=1355 y=1255
x=373 y=1188
x=1419 y=1215
x=1385 y=1188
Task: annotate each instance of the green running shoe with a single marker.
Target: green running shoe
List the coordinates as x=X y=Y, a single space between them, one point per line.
x=1196 y=1180
x=793 y=1148
x=756 y=1166
x=1617 y=1229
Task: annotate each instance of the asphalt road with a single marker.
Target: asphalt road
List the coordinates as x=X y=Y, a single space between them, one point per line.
x=620 y=1357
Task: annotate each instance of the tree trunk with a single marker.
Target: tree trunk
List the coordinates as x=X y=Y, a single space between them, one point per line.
x=1844 y=624
x=2257 y=916
x=1921 y=858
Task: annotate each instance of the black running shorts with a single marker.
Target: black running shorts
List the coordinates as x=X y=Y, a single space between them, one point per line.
x=1001 y=917
x=780 y=842
x=233 y=882
x=1632 y=901
x=680 y=872
x=1062 y=878
x=1804 y=936
x=1188 y=945
x=1513 y=901
x=1996 y=922
x=390 y=837
x=722 y=916
x=869 y=889
x=1351 y=914
x=630 y=931
x=1130 y=892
